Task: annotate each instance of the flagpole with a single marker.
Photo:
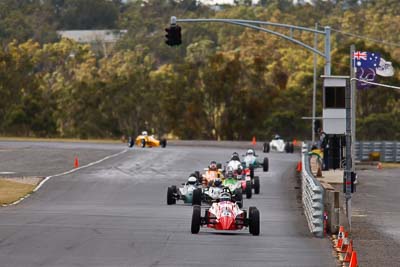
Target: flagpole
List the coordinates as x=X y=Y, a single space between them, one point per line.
x=314 y=88
x=353 y=115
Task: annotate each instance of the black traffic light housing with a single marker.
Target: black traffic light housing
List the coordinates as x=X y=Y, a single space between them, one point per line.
x=174 y=36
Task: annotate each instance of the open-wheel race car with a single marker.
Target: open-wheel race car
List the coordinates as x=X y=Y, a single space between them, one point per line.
x=279 y=145
x=184 y=193
x=226 y=215
x=250 y=183
x=145 y=140
x=250 y=163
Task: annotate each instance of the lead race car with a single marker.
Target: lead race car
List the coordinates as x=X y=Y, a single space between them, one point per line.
x=146 y=140
x=226 y=215
x=279 y=145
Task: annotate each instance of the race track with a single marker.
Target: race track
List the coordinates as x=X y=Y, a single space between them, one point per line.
x=115 y=214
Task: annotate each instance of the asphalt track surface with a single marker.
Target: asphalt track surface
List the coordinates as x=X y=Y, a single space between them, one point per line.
x=115 y=214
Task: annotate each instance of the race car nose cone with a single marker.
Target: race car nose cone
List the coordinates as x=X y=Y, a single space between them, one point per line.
x=226 y=222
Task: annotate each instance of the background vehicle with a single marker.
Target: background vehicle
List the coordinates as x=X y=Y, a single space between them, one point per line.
x=184 y=193
x=279 y=145
x=145 y=140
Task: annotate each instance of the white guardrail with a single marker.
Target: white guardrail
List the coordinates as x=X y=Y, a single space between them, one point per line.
x=312 y=196
x=390 y=150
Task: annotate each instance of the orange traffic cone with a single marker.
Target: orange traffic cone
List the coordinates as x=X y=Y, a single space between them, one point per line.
x=353 y=260
x=349 y=251
x=379 y=166
x=298 y=169
x=294 y=142
x=76 y=162
x=253 y=141
x=340 y=237
x=345 y=243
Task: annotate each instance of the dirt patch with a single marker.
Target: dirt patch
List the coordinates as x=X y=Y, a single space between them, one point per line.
x=13 y=189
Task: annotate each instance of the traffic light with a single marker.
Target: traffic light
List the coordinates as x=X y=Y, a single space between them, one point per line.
x=169 y=40
x=173 y=35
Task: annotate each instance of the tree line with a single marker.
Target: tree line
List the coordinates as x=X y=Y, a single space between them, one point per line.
x=224 y=82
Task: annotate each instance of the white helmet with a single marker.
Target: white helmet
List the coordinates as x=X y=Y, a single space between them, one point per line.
x=144 y=133
x=250 y=152
x=192 y=180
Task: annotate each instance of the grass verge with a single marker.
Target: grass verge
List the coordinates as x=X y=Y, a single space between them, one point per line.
x=11 y=191
x=390 y=165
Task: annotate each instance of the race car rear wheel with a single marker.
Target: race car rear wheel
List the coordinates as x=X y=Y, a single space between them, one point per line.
x=163 y=143
x=239 y=194
x=248 y=189
x=291 y=148
x=170 y=196
x=199 y=177
x=196 y=197
x=254 y=221
x=265 y=164
x=251 y=172
x=256 y=184
x=196 y=219
x=239 y=197
x=266 y=147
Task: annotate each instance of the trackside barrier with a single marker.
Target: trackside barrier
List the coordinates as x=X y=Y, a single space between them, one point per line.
x=389 y=150
x=312 y=196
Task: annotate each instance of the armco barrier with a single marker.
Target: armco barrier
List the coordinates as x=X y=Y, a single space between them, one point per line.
x=390 y=150
x=312 y=196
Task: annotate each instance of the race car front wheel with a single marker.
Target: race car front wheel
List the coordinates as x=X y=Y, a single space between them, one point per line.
x=143 y=142
x=266 y=147
x=248 y=189
x=265 y=164
x=170 y=196
x=196 y=219
x=254 y=221
x=256 y=185
x=196 y=197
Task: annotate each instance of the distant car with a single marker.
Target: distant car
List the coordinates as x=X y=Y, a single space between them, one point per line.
x=145 y=140
x=278 y=145
x=226 y=215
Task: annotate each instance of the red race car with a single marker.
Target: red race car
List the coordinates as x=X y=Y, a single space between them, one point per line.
x=226 y=215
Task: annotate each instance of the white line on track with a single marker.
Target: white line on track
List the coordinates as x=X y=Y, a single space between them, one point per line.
x=67 y=172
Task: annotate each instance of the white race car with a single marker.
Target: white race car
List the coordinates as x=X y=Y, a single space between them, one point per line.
x=279 y=145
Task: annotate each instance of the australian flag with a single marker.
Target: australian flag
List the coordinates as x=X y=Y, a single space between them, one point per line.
x=366 y=59
x=366 y=64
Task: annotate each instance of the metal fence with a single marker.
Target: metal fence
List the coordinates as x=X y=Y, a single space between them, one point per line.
x=389 y=150
x=312 y=196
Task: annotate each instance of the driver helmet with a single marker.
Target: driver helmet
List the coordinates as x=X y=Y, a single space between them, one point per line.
x=144 y=133
x=213 y=165
x=250 y=152
x=217 y=182
x=277 y=137
x=229 y=172
x=225 y=196
x=192 y=180
x=235 y=156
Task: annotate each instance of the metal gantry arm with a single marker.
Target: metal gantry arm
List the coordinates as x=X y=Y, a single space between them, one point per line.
x=253 y=25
